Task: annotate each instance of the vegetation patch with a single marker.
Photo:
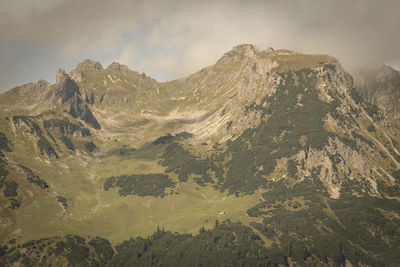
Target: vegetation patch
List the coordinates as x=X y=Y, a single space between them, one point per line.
x=14 y=204
x=63 y=201
x=329 y=231
x=45 y=147
x=396 y=174
x=11 y=189
x=34 y=178
x=371 y=128
x=68 y=142
x=90 y=146
x=227 y=244
x=166 y=139
x=182 y=162
x=5 y=144
x=291 y=168
x=356 y=96
x=140 y=184
x=71 y=249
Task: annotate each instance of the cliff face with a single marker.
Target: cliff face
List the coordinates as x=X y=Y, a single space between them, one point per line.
x=380 y=86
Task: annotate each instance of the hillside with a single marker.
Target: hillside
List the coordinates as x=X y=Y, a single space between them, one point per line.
x=267 y=157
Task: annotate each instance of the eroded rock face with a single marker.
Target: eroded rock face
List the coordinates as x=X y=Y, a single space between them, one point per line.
x=66 y=93
x=79 y=109
x=380 y=86
x=116 y=67
x=65 y=88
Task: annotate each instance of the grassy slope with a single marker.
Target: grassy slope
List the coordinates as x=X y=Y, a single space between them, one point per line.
x=91 y=210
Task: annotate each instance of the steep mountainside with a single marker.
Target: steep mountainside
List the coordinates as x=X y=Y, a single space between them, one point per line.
x=274 y=155
x=380 y=86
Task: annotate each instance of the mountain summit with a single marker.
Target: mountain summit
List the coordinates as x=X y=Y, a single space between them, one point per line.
x=268 y=157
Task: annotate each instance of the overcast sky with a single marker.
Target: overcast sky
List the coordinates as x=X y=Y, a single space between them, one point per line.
x=171 y=39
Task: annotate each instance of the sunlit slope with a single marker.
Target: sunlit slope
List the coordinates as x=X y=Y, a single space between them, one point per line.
x=268 y=138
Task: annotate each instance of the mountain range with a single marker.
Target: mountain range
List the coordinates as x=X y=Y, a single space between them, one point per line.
x=266 y=158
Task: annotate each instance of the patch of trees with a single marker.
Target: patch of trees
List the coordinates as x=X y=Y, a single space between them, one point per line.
x=180 y=161
x=14 y=204
x=63 y=201
x=75 y=250
x=5 y=144
x=396 y=174
x=45 y=147
x=326 y=231
x=371 y=128
x=166 y=139
x=68 y=142
x=291 y=168
x=34 y=178
x=10 y=189
x=90 y=146
x=227 y=244
x=355 y=96
x=140 y=184
x=103 y=249
x=3 y=170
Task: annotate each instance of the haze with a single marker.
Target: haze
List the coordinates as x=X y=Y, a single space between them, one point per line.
x=171 y=39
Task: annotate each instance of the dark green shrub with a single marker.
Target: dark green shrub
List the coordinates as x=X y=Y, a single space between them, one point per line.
x=45 y=147
x=11 y=189
x=14 y=204
x=371 y=128
x=141 y=184
x=291 y=168
x=34 y=178
x=5 y=144
x=68 y=142
x=90 y=146
x=63 y=201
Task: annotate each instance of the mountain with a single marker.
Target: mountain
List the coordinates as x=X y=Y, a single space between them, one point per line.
x=267 y=157
x=380 y=86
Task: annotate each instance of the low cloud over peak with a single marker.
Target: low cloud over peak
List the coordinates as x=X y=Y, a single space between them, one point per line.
x=170 y=39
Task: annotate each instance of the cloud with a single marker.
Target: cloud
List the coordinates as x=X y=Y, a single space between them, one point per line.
x=129 y=53
x=170 y=39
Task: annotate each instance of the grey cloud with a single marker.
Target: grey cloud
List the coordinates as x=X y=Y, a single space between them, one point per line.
x=174 y=38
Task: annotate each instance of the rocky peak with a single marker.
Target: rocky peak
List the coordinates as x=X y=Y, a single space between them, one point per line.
x=65 y=88
x=77 y=108
x=116 y=67
x=239 y=52
x=245 y=48
x=85 y=66
x=42 y=84
x=89 y=65
x=61 y=76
